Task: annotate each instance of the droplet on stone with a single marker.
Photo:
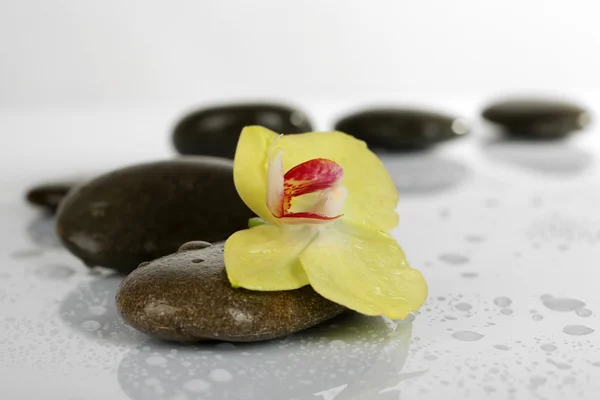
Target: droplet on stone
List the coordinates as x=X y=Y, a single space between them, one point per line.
x=502 y=347
x=195 y=245
x=506 y=311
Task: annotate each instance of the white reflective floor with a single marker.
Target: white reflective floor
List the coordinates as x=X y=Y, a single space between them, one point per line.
x=507 y=235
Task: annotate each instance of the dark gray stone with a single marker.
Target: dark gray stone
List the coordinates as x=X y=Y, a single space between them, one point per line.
x=49 y=195
x=187 y=297
x=143 y=212
x=402 y=129
x=215 y=131
x=537 y=118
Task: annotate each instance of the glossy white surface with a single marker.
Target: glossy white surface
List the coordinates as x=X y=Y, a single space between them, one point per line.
x=507 y=235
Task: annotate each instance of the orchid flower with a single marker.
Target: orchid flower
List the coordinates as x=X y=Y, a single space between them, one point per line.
x=328 y=204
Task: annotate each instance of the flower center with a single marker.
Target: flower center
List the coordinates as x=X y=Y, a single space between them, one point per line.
x=319 y=175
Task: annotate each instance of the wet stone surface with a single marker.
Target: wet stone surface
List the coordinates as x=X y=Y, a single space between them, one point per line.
x=215 y=131
x=402 y=129
x=146 y=211
x=537 y=118
x=187 y=297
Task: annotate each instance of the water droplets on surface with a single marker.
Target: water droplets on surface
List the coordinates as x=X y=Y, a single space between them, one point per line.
x=537 y=317
x=506 y=311
x=577 y=330
x=196 y=385
x=548 y=347
x=156 y=360
x=220 y=375
x=467 y=336
x=463 y=306
x=97 y=310
x=558 y=365
x=90 y=326
x=561 y=304
x=502 y=301
x=537 y=381
x=583 y=312
x=453 y=258
x=501 y=347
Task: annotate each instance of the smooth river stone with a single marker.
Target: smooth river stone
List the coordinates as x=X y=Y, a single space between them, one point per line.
x=49 y=195
x=146 y=211
x=215 y=131
x=187 y=297
x=402 y=129
x=537 y=118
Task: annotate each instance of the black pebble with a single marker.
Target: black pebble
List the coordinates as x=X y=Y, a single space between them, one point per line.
x=143 y=212
x=401 y=129
x=537 y=118
x=215 y=131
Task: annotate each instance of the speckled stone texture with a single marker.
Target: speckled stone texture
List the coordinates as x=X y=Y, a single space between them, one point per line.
x=143 y=212
x=49 y=195
x=537 y=118
x=402 y=129
x=187 y=297
x=215 y=131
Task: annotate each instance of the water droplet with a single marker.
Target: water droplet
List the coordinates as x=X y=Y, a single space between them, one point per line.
x=475 y=238
x=156 y=360
x=450 y=318
x=453 y=258
x=537 y=381
x=220 y=375
x=583 y=312
x=502 y=347
x=467 y=336
x=97 y=310
x=463 y=306
x=558 y=365
x=548 y=347
x=196 y=386
x=577 y=330
x=537 y=317
x=502 y=301
x=561 y=304
x=90 y=326
x=506 y=311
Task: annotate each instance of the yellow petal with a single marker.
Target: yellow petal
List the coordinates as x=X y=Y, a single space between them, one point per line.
x=363 y=270
x=266 y=257
x=250 y=169
x=372 y=196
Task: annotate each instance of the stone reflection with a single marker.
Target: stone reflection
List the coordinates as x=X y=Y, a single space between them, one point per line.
x=351 y=357
x=90 y=309
x=42 y=231
x=423 y=173
x=551 y=158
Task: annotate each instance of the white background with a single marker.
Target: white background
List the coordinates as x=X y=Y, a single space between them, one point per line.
x=58 y=53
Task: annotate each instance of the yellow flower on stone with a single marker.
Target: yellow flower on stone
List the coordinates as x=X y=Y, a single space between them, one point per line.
x=326 y=218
